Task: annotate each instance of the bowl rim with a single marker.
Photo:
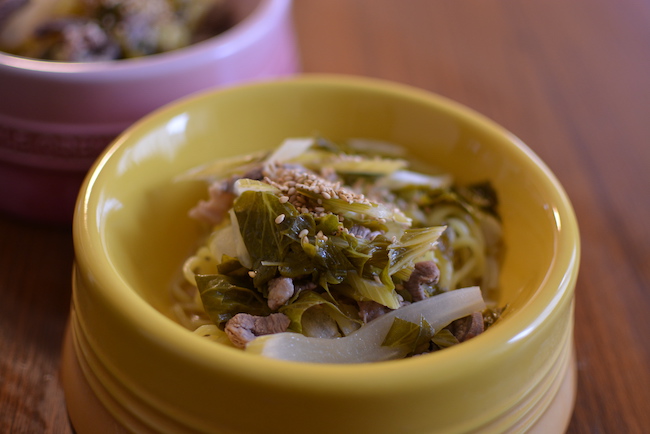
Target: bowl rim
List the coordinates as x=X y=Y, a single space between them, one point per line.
x=250 y=29
x=561 y=275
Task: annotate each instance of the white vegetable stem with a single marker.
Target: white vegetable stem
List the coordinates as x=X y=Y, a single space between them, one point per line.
x=364 y=345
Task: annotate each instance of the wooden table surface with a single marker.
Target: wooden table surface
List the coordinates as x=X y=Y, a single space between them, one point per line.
x=570 y=78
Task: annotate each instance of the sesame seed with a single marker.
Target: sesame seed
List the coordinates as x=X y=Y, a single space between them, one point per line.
x=279 y=219
x=252 y=273
x=284 y=199
x=303 y=233
x=326 y=195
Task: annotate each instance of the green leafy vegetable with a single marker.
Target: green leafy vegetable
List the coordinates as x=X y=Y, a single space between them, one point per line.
x=366 y=289
x=444 y=339
x=223 y=297
x=413 y=245
x=413 y=336
x=256 y=213
x=224 y=168
x=369 y=210
x=306 y=304
x=368 y=166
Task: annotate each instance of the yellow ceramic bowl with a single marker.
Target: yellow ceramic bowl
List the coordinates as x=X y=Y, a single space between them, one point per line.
x=127 y=364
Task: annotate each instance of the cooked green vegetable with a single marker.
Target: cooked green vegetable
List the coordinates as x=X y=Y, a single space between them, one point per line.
x=319 y=239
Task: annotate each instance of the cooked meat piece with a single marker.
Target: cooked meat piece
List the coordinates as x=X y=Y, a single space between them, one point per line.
x=467 y=327
x=76 y=40
x=364 y=232
x=304 y=285
x=424 y=273
x=9 y=7
x=215 y=208
x=369 y=310
x=243 y=328
x=281 y=289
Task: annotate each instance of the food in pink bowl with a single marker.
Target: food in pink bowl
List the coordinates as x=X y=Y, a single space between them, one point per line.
x=62 y=102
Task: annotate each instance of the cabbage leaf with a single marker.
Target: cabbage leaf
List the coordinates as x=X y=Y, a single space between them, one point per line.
x=414 y=336
x=225 y=296
x=305 y=304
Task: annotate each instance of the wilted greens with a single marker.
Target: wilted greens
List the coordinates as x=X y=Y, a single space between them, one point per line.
x=320 y=238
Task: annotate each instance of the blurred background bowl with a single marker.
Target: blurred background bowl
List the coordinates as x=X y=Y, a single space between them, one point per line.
x=127 y=365
x=57 y=117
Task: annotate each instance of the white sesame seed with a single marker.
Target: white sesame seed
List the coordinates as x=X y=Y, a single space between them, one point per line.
x=284 y=199
x=326 y=195
x=279 y=219
x=252 y=273
x=303 y=233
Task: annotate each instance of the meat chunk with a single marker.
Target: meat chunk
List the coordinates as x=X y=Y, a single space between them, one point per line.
x=467 y=327
x=281 y=289
x=369 y=310
x=424 y=273
x=360 y=231
x=215 y=208
x=243 y=328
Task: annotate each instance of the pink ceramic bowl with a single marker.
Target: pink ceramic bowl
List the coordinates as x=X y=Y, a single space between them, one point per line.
x=57 y=117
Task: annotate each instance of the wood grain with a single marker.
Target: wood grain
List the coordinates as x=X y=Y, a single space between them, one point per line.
x=571 y=79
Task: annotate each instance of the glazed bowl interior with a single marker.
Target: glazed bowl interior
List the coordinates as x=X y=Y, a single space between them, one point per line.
x=132 y=234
